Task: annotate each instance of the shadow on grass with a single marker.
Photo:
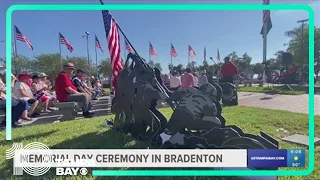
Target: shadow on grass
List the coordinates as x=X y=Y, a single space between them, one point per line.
x=34 y=136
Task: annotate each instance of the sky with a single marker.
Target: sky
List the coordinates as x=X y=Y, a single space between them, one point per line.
x=227 y=31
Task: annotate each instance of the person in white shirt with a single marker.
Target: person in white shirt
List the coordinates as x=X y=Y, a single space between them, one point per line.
x=175 y=82
x=202 y=79
x=22 y=91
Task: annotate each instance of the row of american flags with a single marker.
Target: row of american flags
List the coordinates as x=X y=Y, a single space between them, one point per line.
x=152 y=50
x=173 y=52
x=63 y=40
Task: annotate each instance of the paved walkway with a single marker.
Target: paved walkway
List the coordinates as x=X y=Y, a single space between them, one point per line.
x=293 y=103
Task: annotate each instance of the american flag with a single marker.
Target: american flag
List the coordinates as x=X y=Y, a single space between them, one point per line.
x=205 y=54
x=113 y=39
x=192 y=53
x=152 y=51
x=21 y=37
x=218 y=55
x=173 y=51
x=128 y=47
x=98 y=45
x=266 y=13
x=66 y=42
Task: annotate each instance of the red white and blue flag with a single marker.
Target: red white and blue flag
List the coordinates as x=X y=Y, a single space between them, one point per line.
x=21 y=37
x=266 y=18
x=65 y=42
x=173 y=51
x=191 y=53
x=152 y=51
x=113 y=39
x=128 y=47
x=98 y=45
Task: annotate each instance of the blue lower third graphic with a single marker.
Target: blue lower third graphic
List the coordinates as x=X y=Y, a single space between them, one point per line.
x=274 y=158
x=267 y=158
x=296 y=158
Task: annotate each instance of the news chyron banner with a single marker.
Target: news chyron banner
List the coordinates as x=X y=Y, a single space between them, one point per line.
x=36 y=159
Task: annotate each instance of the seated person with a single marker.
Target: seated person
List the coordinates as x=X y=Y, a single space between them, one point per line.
x=66 y=91
x=22 y=91
x=98 y=86
x=175 y=82
x=39 y=92
x=77 y=81
x=94 y=92
x=44 y=82
x=19 y=107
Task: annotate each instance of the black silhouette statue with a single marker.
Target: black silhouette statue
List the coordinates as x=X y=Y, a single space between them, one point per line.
x=196 y=121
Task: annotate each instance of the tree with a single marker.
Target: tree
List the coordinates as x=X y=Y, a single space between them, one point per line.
x=49 y=64
x=79 y=63
x=298 y=44
x=105 y=68
x=158 y=66
x=258 y=68
x=23 y=64
x=179 y=68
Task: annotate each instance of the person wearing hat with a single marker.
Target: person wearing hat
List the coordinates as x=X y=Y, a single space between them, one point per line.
x=22 y=91
x=67 y=92
x=45 y=83
x=39 y=92
x=228 y=70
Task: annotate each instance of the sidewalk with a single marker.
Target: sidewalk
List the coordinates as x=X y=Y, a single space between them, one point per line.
x=293 y=103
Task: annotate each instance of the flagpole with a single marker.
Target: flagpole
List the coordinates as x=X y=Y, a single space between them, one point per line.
x=95 y=49
x=124 y=49
x=188 y=57
x=265 y=29
x=60 y=52
x=15 y=52
x=149 y=52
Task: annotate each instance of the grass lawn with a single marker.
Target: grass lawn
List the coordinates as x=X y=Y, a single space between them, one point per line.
x=273 y=90
x=107 y=91
x=89 y=134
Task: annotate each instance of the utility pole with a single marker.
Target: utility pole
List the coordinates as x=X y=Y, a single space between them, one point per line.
x=89 y=64
x=302 y=48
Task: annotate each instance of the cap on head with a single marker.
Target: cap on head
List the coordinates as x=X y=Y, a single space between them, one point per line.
x=226 y=59
x=43 y=75
x=24 y=76
x=68 y=66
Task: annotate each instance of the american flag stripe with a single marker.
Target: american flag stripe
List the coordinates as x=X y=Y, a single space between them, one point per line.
x=98 y=45
x=192 y=53
x=21 y=37
x=173 y=51
x=266 y=13
x=152 y=51
x=65 y=42
x=113 y=38
x=128 y=47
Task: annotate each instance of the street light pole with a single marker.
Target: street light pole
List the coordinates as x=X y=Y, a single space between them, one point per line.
x=301 y=46
x=89 y=64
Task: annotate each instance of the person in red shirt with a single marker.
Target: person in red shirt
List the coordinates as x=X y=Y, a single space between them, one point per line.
x=228 y=70
x=66 y=91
